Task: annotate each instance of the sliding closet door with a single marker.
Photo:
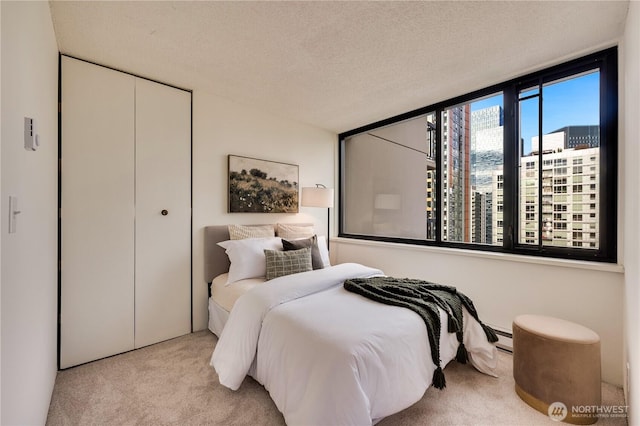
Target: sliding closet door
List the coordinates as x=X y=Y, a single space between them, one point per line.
x=163 y=213
x=97 y=216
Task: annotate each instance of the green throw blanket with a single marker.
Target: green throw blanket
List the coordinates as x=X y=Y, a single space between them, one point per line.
x=424 y=298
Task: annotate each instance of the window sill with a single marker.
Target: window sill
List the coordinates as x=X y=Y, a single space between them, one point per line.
x=565 y=263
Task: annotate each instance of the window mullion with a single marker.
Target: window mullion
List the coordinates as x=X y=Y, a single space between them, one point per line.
x=510 y=175
x=540 y=164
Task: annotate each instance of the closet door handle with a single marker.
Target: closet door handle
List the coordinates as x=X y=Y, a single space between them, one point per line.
x=164 y=212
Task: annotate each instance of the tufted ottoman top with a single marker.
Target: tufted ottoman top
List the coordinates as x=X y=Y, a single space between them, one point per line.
x=556 y=329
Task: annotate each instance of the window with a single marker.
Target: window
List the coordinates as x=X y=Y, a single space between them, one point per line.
x=471 y=166
x=501 y=169
x=394 y=200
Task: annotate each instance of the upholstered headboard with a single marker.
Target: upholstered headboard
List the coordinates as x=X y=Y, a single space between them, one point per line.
x=216 y=261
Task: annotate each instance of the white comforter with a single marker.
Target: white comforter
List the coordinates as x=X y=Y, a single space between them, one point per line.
x=331 y=357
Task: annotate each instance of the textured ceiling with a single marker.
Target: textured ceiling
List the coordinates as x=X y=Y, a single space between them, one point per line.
x=336 y=65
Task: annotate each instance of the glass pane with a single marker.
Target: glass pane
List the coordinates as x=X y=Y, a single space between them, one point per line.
x=431 y=177
x=571 y=152
x=472 y=163
x=528 y=205
x=388 y=172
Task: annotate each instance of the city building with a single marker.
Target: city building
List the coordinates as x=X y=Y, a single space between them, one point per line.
x=456 y=204
x=569 y=197
x=487 y=133
x=580 y=136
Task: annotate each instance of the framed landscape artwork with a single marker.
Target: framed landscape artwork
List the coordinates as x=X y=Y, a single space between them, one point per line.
x=261 y=186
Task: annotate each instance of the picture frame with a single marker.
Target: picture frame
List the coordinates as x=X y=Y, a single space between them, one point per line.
x=262 y=186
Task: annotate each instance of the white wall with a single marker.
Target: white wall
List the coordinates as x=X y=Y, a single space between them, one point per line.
x=629 y=133
x=29 y=257
x=222 y=127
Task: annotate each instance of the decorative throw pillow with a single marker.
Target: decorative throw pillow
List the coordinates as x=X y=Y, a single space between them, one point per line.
x=247 y=256
x=294 y=231
x=316 y=258
x=281 y=263
x=239 y=232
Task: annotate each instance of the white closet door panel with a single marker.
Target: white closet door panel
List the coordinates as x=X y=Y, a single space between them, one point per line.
x=163 y=242
x=97 y=306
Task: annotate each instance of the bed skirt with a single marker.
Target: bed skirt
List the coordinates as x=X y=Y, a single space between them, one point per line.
x=218 y=317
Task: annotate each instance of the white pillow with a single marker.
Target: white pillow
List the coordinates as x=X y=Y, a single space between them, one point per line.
x=247 y=256
x=324 y=251
x=290 y=232
x=239 y=232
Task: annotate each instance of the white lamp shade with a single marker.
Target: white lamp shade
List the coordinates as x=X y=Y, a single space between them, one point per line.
x=317 y=197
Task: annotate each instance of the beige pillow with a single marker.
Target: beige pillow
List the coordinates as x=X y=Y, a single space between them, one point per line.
x=240 y=232
x=291 y=232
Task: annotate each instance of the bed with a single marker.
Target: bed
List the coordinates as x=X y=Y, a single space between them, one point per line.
x=327 y=356
x=223 y=297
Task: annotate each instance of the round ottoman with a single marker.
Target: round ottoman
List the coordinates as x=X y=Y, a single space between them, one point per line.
x=556 y=367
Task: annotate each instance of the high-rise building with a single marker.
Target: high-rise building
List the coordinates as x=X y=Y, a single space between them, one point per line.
x=431 y=177
x=497 y=207
x=431 y=204
x=551 y=142
x=456 y=202
x=487 y=134
x=569 y=199
x=581 y=136
x=481 y=217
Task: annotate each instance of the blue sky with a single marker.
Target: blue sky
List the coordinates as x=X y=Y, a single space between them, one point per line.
x=566 y=103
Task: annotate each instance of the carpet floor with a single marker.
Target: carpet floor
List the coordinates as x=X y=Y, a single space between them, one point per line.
x=171 y=383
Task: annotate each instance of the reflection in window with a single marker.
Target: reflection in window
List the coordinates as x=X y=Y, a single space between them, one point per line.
x=385 y=195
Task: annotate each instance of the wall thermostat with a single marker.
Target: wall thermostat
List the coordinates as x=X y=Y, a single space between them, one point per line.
x=31 y=140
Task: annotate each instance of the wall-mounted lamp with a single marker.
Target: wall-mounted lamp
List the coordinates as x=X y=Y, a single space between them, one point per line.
x=318 y=196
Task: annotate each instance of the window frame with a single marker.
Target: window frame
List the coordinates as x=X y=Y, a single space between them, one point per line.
x=606 y=61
